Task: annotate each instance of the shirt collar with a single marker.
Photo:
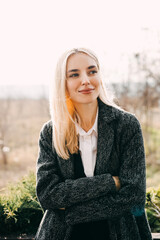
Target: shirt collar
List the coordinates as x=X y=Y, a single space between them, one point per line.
x=81 y=132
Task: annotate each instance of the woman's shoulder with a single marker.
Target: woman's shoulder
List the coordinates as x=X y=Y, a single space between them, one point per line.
x=113 y=112
x=126 y=118
x=116 y=113
x=46 y=129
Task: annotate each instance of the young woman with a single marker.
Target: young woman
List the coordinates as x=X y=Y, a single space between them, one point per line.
x=91 y=164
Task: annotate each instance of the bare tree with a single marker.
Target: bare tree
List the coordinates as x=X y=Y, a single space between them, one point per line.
x=149 y=95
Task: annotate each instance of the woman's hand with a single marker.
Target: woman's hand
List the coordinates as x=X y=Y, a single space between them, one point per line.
x=117 y=182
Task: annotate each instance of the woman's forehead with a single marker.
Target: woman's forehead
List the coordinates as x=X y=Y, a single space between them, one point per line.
x=79 y=60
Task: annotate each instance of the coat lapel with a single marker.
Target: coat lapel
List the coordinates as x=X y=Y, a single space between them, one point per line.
x=105 y=138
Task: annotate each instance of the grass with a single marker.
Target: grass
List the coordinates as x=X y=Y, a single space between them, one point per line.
x=152 y=144
x=153 y=175
x=23 y=125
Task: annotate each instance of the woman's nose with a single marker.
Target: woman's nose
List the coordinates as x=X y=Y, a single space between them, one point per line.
x=85 y=79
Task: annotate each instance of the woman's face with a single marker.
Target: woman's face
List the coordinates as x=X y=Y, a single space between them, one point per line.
x=83 y=79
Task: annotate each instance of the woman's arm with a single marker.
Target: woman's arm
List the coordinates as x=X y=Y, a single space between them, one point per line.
x=131 y=196
x=117 y=183
x=52 y=192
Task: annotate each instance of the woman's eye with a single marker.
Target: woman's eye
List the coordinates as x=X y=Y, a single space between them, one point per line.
x=74 y=75
x=93 y=72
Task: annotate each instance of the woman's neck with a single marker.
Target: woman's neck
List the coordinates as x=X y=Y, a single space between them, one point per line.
x=87 y=114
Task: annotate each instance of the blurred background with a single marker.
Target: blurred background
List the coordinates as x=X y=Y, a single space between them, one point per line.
x=124 y=34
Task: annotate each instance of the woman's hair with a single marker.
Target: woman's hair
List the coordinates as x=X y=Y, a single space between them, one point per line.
x=62 y=111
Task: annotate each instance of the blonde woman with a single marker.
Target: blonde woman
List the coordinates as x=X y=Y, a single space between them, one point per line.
x=91 y=164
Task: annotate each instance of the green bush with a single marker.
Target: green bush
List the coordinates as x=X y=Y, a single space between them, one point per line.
x=20 y=212
x=153 y=208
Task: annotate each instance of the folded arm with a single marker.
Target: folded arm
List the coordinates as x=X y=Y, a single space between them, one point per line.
x=52 y=192
x=117 y=183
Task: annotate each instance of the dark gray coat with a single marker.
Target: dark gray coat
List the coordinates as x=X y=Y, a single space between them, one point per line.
x=120 y=153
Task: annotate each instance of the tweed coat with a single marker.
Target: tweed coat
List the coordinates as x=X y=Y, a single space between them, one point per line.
x=120 y=152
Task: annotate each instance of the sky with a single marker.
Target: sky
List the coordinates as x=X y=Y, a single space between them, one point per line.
x=34 y=33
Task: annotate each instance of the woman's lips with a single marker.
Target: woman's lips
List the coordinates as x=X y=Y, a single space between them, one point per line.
x=85 y=91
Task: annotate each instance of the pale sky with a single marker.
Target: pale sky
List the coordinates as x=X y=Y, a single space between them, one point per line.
x=34 y=33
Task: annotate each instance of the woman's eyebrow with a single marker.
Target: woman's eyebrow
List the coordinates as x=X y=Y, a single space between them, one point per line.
x=92 y=66
x=73 y=70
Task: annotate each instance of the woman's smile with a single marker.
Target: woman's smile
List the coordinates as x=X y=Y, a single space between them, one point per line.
x=86 y=91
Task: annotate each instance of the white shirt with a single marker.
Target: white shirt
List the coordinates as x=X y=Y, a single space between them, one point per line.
x=88 y=147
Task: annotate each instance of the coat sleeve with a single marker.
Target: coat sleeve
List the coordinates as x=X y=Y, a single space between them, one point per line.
x=52 y=191
x=131 y=196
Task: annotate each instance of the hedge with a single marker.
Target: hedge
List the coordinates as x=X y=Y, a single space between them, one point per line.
x=21 y=213
x=153 y=208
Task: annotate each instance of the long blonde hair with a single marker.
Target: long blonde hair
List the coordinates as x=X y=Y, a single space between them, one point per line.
x=62 y=111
